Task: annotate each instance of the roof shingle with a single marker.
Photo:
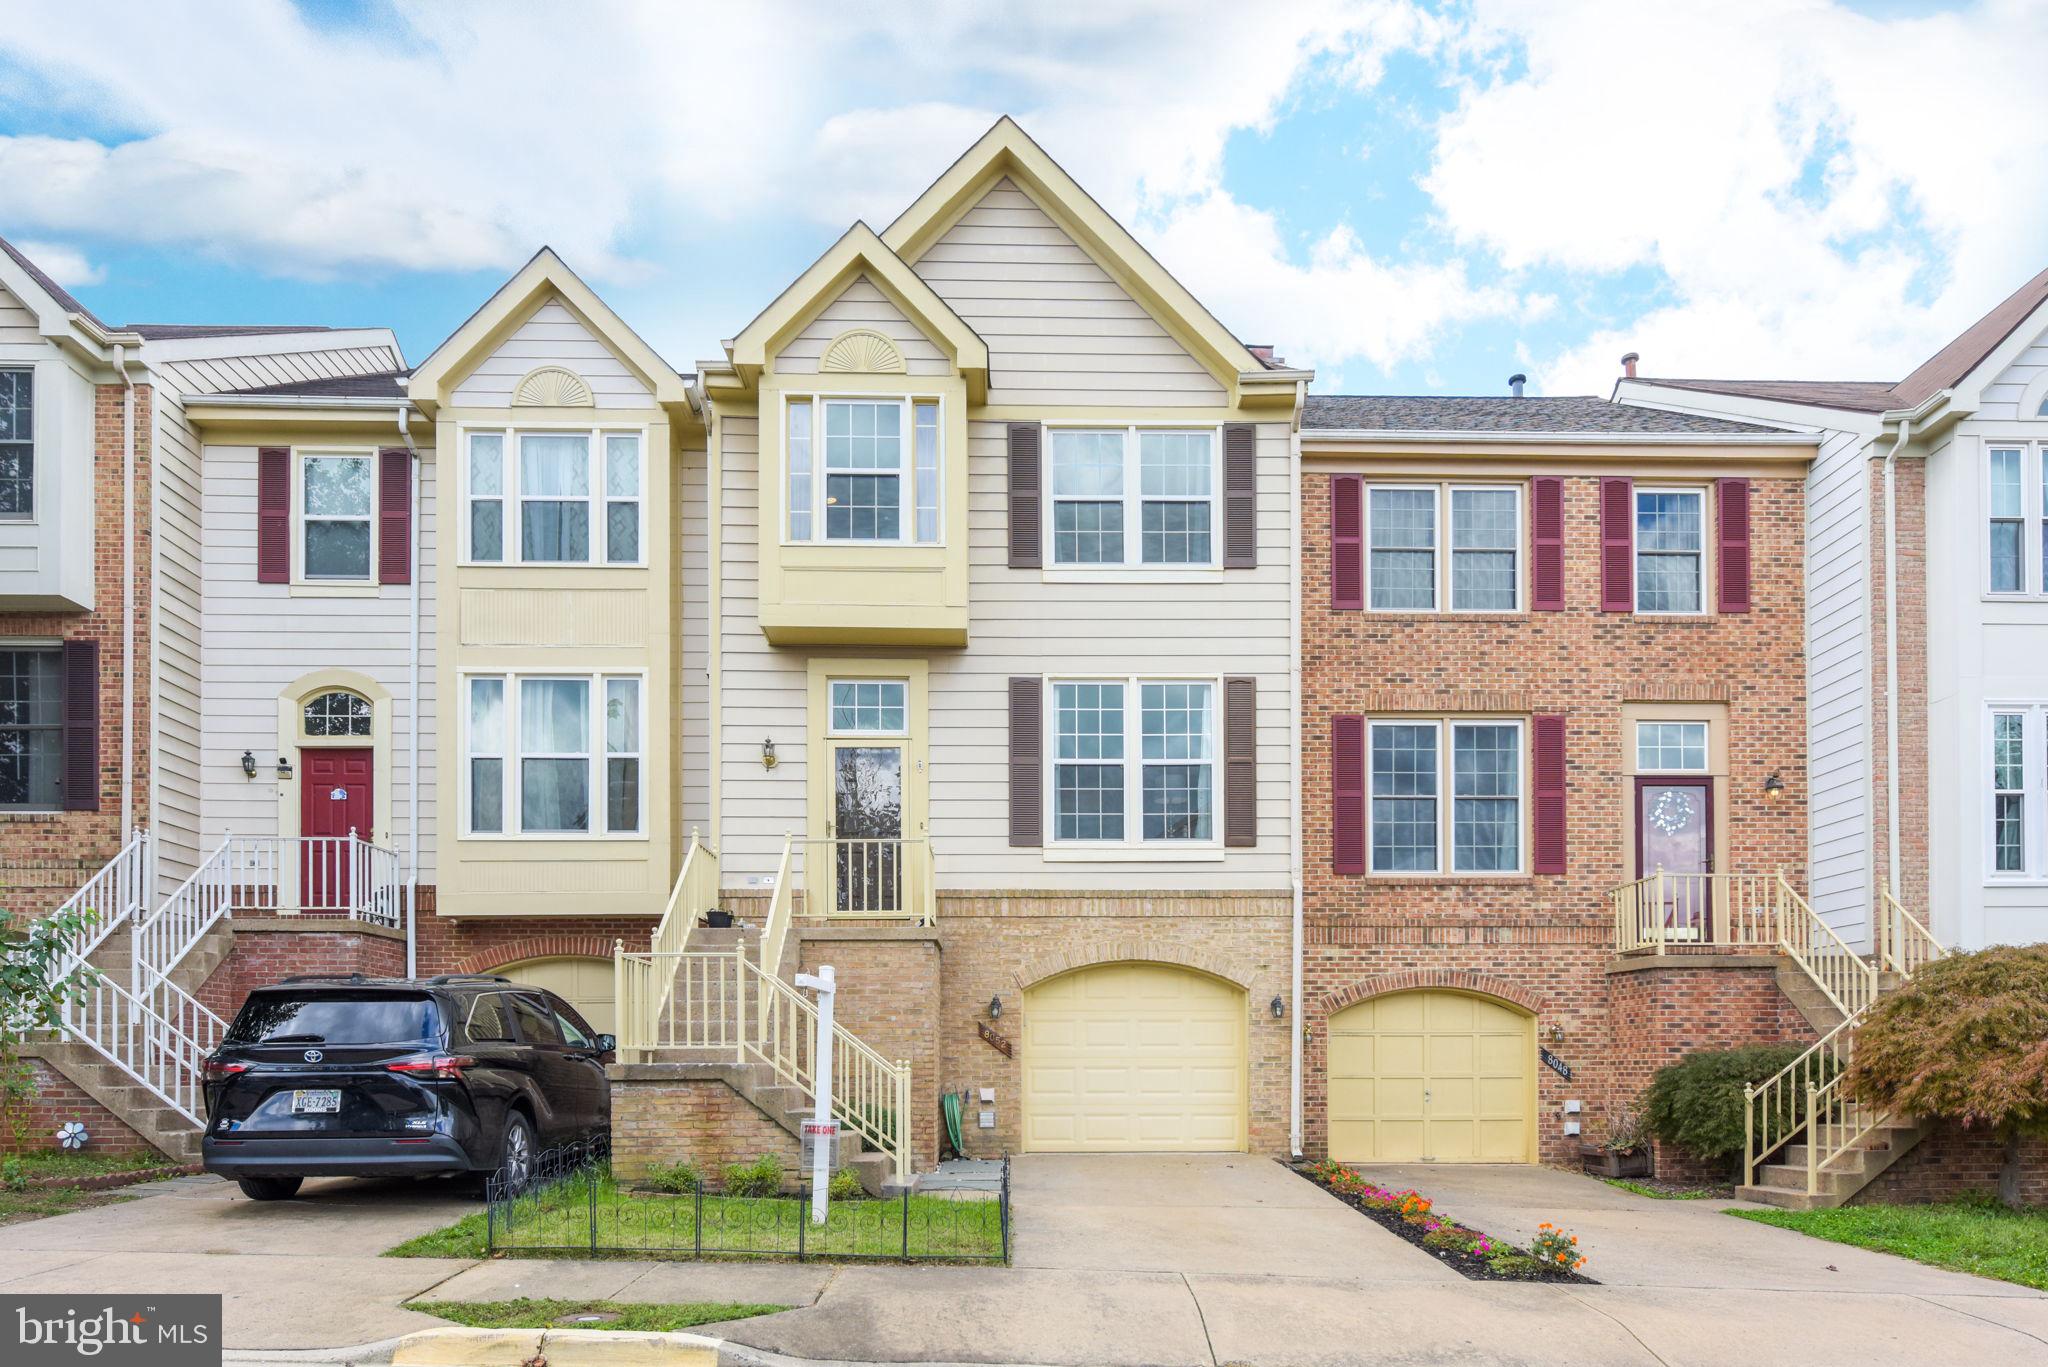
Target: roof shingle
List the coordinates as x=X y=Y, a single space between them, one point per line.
x=1562 y=416
x=380 y=384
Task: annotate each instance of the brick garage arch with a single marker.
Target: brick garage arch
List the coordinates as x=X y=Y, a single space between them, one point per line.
x=1420 y=978
x=1043 y=966
x=538 y=947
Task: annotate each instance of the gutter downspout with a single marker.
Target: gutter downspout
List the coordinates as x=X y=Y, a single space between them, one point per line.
x=1891 y=656
x=412 y=765
x=1297 y=1026
x=127 y=591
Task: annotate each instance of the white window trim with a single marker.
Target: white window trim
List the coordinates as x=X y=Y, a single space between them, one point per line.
x=1446 y=799
x=1133 y=500
x=1706 y=744
x=1709 y=528
x=510 y=495
x=1133 y=846
x=512 y=755
x=1443 y=553
x=836 y=733
x=35 y=450
x=367 y=585
x=906 y=514
x=52 y=645
x=2034 y=790
x=2033 y=517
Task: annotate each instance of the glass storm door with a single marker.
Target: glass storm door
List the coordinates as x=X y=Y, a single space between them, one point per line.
x=1675 y=837
x=867 y=826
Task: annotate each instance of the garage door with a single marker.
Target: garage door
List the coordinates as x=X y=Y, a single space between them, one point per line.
x=585 y=983
x=1433 y=1077
x=1134 y=1057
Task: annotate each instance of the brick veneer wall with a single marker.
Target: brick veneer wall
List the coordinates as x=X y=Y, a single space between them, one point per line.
x=1909 y=487
x=269 y=950
x=888 y=996
x=55 y=1100
x=449 y=944
x=661 y=1116
x=45 y=856
x=1952 y=1162
x=1544 y=942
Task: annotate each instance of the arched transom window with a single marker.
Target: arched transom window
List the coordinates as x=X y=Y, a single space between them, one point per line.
x=337 y=713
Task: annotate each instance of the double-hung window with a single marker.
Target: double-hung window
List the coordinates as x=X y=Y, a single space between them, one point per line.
x=555 y=754
x=1670 y=540
x=2016 y=519
x=862 y=469
x=555 y=496
x=2009 y=792
x=1415 y=765
x=1133 y=497
x=1432 y=546
x=31 y=729
x=336 y=522
x=17 y=443
x=1134 y=760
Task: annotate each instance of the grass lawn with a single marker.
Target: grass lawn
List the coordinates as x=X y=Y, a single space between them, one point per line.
x=1963 y=1236
x=1665 y=1193
x=78 y=1163
x=546 y=1314
x=650 y=1225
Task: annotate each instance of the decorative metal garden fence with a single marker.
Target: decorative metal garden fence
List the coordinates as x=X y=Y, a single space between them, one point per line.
x=571 y=1205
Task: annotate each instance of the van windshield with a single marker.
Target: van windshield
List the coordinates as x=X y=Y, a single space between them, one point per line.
x=331 y=1017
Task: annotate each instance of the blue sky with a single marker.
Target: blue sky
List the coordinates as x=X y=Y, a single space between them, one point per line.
x=1408 y=197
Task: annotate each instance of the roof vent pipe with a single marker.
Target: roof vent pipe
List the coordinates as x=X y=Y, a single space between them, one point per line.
x=1628 y=365
x=1515 y=383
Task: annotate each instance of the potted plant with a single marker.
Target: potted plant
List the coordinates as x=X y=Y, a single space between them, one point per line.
x=1623 y=1153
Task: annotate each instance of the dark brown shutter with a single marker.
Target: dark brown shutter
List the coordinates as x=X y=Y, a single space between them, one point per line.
x=1546 y=544
x=1617 y=545
x=394 y=515
x=1027 y=445
x=1347 y=543
x=81 y=726
x=1240 y=761
x=273 y=515
x=1734 y=521
x=1240 y=497
x=1547 y=821
x=1027 y=761
x=1347 y=794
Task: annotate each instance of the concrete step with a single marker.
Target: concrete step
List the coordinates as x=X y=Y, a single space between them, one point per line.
x=1787 y=1200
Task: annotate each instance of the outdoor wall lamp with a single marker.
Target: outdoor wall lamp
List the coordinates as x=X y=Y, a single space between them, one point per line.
x=1774 y=787
x=248 y=764
x=1555 y=1032
x=284 y=770
x=995 y=1008
x=768 y=760
x=1279 y=1009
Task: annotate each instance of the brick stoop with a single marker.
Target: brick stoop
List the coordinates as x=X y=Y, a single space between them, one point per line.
x=132 y=1103
x=1784 y=1181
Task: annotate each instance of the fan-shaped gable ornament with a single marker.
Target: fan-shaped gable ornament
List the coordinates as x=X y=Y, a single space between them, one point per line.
x=552 y=387
x=862 y=350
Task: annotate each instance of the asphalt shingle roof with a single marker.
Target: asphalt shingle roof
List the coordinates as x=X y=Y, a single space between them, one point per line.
x=1564 y=415
x=381 y=384
x=1857 y=396
x=65 y=299
x=172 y=332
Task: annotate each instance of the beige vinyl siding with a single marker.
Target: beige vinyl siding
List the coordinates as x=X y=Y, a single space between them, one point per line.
x=693 y=648
x=216 y=374
x=175 y=625
x=256 y=639
x=17 y=324
x=552 y=336
x=1059 y=329
x=861 y=305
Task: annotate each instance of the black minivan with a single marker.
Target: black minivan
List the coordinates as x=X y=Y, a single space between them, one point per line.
x=368 y=1077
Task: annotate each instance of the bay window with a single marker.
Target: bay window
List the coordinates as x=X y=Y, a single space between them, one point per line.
x=2016 y=519
x=1132 y=497
x=575 y=497
x=1134 y=756
x=1413 y=764
x=17 y=443
x=862 y=470
x=534 y=744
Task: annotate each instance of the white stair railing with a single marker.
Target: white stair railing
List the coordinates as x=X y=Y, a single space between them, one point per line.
x=110 y=899
x=163 y=1049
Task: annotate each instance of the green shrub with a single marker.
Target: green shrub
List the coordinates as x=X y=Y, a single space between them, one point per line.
x=12 y=1175
x=680 y=1178
x=1696 y=1103
x=845 y=1186
x=762 y=1177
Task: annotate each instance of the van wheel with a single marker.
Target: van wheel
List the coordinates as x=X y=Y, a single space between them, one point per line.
x=515 y=1154
x=269 y=1188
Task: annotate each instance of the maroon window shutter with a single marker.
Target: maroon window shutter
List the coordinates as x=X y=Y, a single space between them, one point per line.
x=1240 y=496
x=1027 y=444
x=1546 y=544
x=1240 y=761
x=1347 y=543
x=1734 y=544
x=273 y=515
x=1027 y=761
x=1548 y=764
x=394 y=515
x=1617 y=545
x=81 y=726
x=1347 y=794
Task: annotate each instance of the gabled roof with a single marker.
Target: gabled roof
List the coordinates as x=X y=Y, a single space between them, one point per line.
x=1561 y=416
x=1856 y=396
x=58 y=294
x=860 y=252
x=515 y=300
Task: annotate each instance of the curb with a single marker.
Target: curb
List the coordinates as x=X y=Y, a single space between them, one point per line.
x=461 y=1347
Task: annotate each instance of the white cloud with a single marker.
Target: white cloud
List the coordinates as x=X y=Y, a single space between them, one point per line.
x=67 y=266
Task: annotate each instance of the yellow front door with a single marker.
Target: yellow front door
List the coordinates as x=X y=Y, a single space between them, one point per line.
x=1134 y=1057
x=1434 y=1077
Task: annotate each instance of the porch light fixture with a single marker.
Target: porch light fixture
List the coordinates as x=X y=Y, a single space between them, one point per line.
x=995 y=1008
x=1279 y=1009
x=1555 y=1032
x=768 y=760
x=248 y=764
x=1774 y=787
x=284 y=770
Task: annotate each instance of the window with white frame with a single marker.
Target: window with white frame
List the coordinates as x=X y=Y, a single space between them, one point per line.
x=1670 y=537
x=1133 y=759
x=1133 y=497
x=337 y=712
x=1414 y=763
x=2016 y=518
x=869 y=706
x=555 y=496
x=1429 y=544
x=862 y=469
x=336 y=516
x=2009 y=792
x=32 y=729
x=17 y=443
x=1671 y=747
x=533 y=748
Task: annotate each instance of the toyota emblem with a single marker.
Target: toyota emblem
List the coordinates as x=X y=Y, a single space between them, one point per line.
x=314 y=1056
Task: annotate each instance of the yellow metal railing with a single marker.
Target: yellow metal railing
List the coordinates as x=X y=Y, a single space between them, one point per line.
x=1903 y=945
x=1781 y=1106
x=641 y=1000
x=869 y=879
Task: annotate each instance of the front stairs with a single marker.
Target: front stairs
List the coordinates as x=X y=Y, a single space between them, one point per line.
x=1782 y=1182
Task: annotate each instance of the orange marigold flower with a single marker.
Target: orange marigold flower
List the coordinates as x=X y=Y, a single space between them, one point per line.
x=1575 y=1238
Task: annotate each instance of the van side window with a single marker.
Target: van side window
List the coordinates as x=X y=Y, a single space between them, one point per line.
x=487 y=1020
x=575 y=1037
x=536 y=1023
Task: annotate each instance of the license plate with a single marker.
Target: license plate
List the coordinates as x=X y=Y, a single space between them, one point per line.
x=320 y=1101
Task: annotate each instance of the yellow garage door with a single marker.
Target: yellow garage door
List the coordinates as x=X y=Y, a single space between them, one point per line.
x=1134 y=1058
x=585 y=983
x=1432 y=1077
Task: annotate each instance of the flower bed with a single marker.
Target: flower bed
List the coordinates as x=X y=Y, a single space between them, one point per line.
x=1469 y=1252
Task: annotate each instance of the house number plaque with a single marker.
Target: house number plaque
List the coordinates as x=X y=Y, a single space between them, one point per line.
x=1556 y=1064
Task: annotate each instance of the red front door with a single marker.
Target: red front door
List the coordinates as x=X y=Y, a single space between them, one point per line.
x=334 y=798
